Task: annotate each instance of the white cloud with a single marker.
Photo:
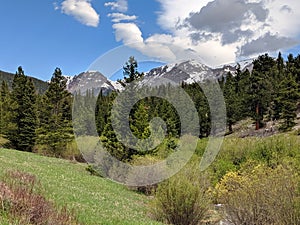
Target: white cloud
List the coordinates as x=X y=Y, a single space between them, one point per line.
x=263 y=26
x=82 y=11
x=131 y=35
x=118 y=17
x=128 y=33
x=169 y=48
x=282 y=21
x=119 y=5
x=173 y=12
x=177 y=45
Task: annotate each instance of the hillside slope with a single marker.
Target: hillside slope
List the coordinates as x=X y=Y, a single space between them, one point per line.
x=41 y=86
x=94 y=200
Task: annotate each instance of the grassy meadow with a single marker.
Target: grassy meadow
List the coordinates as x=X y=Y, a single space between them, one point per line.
x=93 y=199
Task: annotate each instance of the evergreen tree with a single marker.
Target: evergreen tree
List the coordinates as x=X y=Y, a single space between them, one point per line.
x=140 y=119
x=130 y=70
x=275 y=108
x=112 y=144
x=84 y=113
x=245 y=94
x=55 y=116
x=287 y=98
x=22 y=132
x=231 y=91
x=261 y=88
x=102 y=110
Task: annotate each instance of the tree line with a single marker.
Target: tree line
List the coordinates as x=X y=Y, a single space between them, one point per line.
x=270 y=92
x=30 y=120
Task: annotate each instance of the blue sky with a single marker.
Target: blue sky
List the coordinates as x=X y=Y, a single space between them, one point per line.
x=40 y=35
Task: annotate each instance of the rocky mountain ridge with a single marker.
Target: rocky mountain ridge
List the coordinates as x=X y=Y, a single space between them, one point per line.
x=189 y=71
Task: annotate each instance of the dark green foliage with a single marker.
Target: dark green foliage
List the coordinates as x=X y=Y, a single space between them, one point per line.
x=182 y=199
x=269 y=92
x=84 y=114
x=265 y=94
x=40 y=86
x=139 y=124
x=287 y=98
x=55 y=117
x=261 y=87
x=201 y=104
x=130 y=70
x=23 y=109
x=232 y=99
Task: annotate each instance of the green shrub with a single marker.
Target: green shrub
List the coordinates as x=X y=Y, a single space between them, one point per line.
x=260 y=195
x=219 y=168
x=182 y=199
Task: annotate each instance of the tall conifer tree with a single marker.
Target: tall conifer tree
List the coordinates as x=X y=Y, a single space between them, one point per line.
x=55 y=116
x=22 y=132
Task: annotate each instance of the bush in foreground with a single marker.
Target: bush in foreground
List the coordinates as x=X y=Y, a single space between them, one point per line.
x=260 y=195
x=183 y=199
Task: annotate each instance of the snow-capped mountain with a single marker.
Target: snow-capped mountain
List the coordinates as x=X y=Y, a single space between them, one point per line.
x=90 y=80
x=189 y=71
x=192 y=71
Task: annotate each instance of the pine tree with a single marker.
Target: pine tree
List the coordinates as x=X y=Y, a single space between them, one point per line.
x=231 y=91
x=261 y=88
x=22 y=132
x=245 y=94
x=140 y=121
x=55 y=116
x=102 y=110
x=130 y=70
x=275 y=108
x=287 y=99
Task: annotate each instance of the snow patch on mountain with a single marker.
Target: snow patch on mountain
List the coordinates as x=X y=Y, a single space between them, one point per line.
x=188 y=71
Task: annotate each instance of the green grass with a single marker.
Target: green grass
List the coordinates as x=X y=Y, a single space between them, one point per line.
x=95 y=200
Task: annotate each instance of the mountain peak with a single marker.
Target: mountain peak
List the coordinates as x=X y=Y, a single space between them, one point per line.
x=89 y=80
x=187 y=71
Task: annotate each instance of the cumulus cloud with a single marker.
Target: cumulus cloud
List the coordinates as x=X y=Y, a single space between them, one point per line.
x=218 y=31
x=131 y=35
x=173 y=12
x=227 y=18
x=119 y=5
x=168 y=47
x=267 y=43
x=128 y=33
x=82 y=11
x=241 y=24
x=118 y=17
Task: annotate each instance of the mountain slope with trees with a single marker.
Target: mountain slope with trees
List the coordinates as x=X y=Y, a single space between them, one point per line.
x=40 y=86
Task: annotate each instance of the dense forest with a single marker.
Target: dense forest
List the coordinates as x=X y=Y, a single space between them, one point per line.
x=269 y=93
x=32 y=121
